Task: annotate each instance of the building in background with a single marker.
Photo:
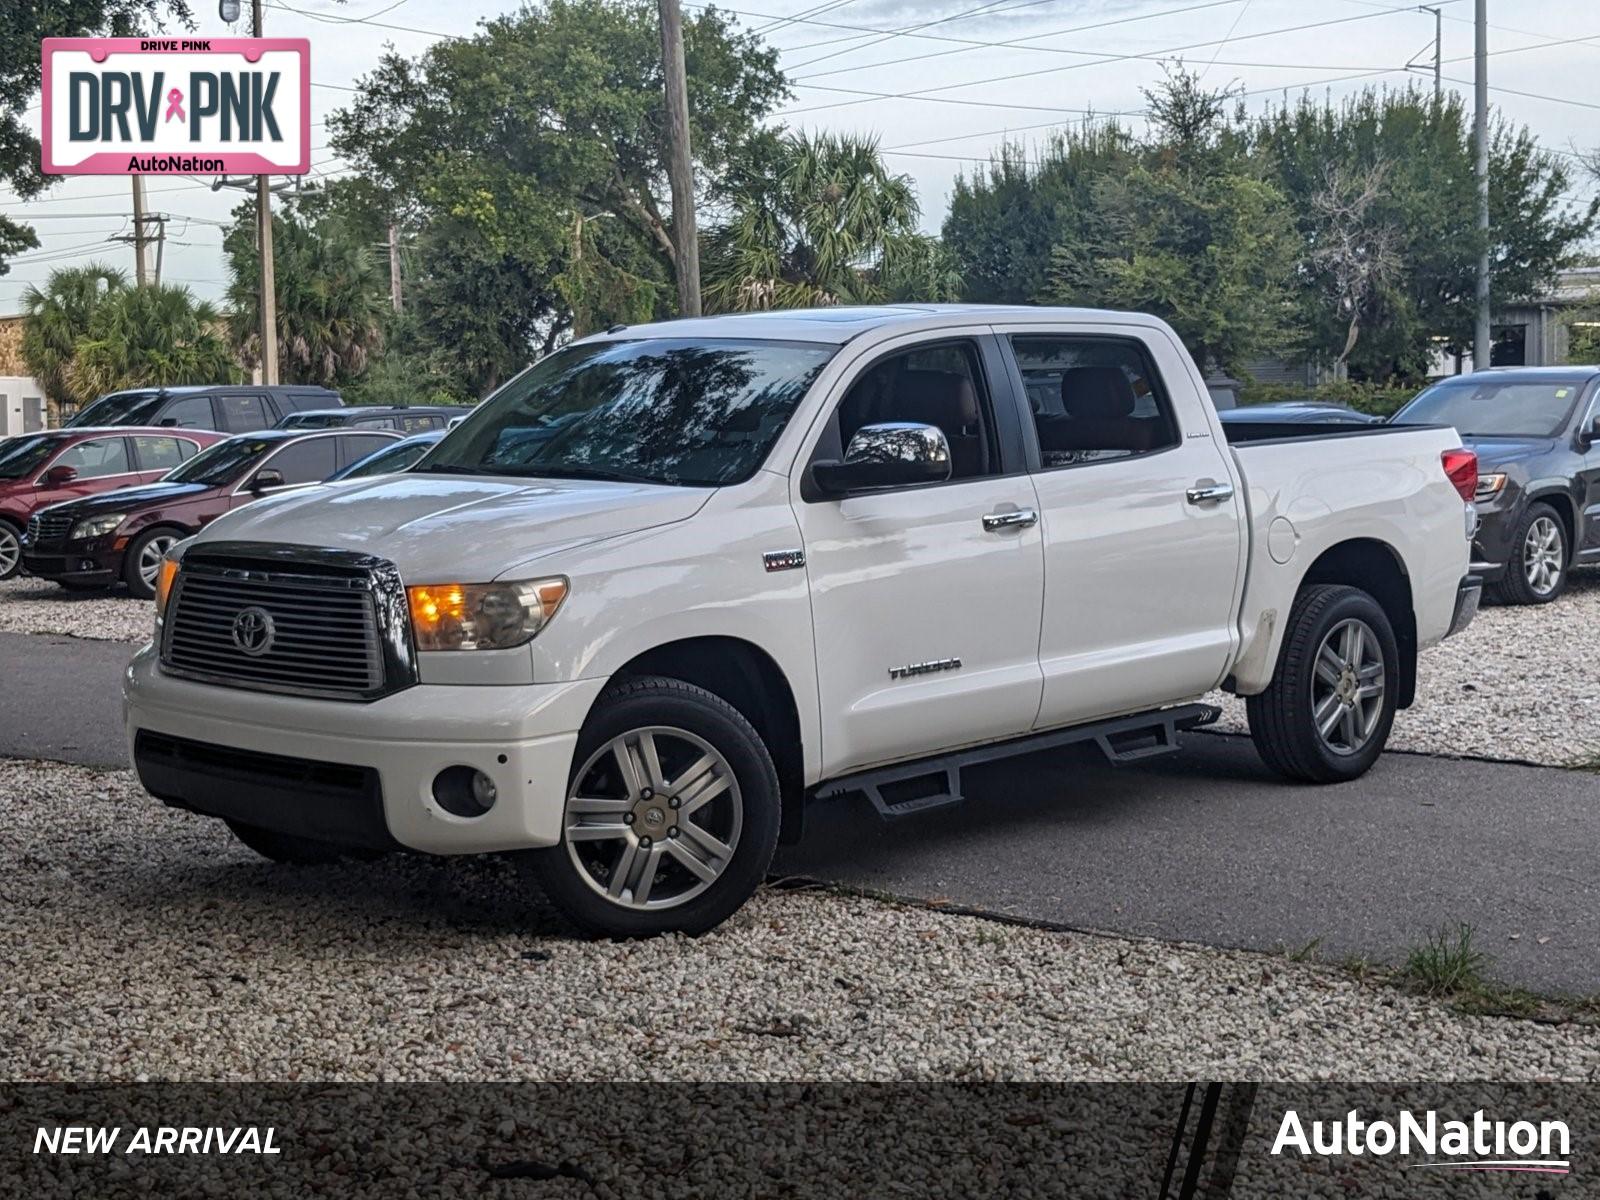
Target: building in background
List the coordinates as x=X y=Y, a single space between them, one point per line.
x=23 y=406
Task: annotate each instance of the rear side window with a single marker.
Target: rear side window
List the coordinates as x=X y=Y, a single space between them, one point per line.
x=374 y=423
x=358 y=445
x=97 y=459
x=421 y=424
x=310 y=461
x=190 y=412
x=1093 y=399
x=243 y=414
x=160 y=453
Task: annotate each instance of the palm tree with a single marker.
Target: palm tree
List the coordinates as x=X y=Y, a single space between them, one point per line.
x=157 y=336
x=329 y=294
x=55 y=318
x=834 y=227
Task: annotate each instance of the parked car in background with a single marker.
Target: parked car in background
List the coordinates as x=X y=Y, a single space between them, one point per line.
x=392 y=458
x=1535 y=431
x=243 y=408
x=122 y=535
x=417 y=418
x=41 y=469
x=1297 y=412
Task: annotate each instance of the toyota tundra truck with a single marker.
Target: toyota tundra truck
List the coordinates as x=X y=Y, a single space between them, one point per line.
x=676 y=580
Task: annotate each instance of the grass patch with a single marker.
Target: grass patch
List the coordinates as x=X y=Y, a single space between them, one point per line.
x=1445 y=964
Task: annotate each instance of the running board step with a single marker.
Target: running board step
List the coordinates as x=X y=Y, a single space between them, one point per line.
x=926 y=785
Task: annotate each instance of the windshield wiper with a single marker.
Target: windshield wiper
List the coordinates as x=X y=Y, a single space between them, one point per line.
x=566 y=471
x=453 y=469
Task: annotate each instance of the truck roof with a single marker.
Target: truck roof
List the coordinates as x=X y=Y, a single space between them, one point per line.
x=845 y=322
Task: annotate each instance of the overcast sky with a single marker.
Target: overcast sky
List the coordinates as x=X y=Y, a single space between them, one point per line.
x=1061 y=59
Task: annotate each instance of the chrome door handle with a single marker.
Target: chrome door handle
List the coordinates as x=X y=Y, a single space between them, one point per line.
x=1209 y=493
x=1019 y=518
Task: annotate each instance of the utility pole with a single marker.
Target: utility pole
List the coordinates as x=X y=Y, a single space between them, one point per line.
x=1438 y=47
x=1481 y=338
x=394 y=268
x=140 y=275
x=269 y=295
x=680 y=165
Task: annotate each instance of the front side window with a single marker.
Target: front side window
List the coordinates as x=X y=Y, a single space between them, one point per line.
x=222 y=463
x=191 y=412
x=96 y=459
x=940 y=385
x=119 y=408
x=1491 y=407
x=310 y=461
x=22 y=456
x=696 y=412
x=1093 y=398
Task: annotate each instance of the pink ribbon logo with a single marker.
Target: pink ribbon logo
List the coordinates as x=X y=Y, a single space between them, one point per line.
x=175 y=105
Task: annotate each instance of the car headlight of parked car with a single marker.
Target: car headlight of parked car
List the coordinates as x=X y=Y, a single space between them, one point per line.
x=483 y=616
x=1489 y=486
x=94 y=527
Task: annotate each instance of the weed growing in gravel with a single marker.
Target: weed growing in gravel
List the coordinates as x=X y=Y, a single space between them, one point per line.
x=1445 y=964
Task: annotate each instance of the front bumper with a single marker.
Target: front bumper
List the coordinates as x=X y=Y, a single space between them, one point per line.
x=360 y=774
x=1469 y=594
x=78 y=564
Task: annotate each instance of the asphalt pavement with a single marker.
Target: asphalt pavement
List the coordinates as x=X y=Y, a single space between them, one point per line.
x=1204 y=846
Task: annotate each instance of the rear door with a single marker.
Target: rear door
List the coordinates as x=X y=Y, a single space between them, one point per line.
x=926 y=615
x=154 y=456
x=353 y=447
x=1143 y=536
x=189 y=412
x=245 y=412
x=1588 y=480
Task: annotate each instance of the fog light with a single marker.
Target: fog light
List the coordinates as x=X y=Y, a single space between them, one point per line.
x=464 y=791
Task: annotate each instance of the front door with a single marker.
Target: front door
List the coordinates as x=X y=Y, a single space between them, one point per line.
x=926 y=615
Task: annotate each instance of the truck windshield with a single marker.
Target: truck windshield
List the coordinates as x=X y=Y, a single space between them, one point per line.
x=1496 y=407
x=25 y=455
x=694 y=412
x=119 y=408
x=220 y=464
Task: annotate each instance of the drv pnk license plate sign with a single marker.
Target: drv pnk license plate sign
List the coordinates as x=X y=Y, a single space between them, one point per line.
x=177 y=106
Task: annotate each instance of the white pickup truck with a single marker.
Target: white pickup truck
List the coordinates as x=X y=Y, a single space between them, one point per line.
x=675 y=580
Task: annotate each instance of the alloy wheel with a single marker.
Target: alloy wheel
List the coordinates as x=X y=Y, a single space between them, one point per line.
x=653 y=818
x=150 y=557
x=10 y=551
x=1542 y=555
x=1347 y=688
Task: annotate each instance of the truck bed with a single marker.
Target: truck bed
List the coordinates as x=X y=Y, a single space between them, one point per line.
x=1300 y=431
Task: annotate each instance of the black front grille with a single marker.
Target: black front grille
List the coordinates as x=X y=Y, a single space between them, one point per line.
x=47 y=527
x=302 y=628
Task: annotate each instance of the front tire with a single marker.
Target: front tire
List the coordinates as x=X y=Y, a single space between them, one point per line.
x=671 y=817
x=10 y=550
x=1326 y=716
x=1537 y=572
x=142 y=562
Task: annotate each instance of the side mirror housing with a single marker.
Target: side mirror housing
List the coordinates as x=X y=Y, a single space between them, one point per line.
x=266 y=480
x=895 y=454
x=60 y=476
x=1591 y=435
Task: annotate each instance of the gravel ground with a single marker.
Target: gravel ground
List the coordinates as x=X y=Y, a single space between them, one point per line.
x=1520 y=683
x=146 y=944
x=29 y=605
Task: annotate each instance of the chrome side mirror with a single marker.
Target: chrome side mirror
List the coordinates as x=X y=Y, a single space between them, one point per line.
x=894 y=454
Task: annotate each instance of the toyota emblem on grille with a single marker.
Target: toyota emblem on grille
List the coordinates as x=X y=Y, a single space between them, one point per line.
x=253 y=631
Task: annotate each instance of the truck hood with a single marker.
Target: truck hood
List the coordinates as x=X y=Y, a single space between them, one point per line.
x=439 y=528
x=1498 y=451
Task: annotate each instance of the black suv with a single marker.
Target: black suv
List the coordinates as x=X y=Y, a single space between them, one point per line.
x=406 y=419
x=1536 y=431
x=242 y=409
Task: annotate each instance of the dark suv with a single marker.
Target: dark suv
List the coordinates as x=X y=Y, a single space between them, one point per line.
x=95 y=541
x=229 y=409
x=415 y=418
x=1535 y=430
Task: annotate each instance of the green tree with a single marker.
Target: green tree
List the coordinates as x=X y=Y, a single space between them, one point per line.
x=331 y=297
x=22 y=24
x=56 y=317
x=832 y=225
x=158 y=336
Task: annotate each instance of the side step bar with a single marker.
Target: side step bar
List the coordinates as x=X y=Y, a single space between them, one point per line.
x=911 y=788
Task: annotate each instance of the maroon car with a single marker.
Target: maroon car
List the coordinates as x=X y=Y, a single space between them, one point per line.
x=95 y=541
x=41 y=469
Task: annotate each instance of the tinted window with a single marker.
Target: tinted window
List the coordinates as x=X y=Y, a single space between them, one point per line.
x=697 y=412
x=311 y=420
x=119 y=408
x=396 y=456
x=191 y=412
x=96 y=459
x=310 y=461
x=25 y=455
x=374 y=423
x=421 y=424
x=1490 y=407
x=359 y=445
x=1093 y=399
x=932 y=385
x=222 y=463
x=243 y=414
x=159 y=453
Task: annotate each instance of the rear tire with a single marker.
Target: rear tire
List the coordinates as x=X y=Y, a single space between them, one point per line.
x=1326 y=716
x=671 y=817
x=286 y=847
x=1537 y=570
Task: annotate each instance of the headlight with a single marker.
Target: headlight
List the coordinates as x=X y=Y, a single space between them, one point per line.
x=482 y=616
x=95 y=527
x=1489 y=486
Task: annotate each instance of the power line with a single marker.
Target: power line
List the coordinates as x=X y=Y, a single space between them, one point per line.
x=891 y=34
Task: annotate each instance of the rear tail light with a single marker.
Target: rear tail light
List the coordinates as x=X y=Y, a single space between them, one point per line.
x=1461 y=466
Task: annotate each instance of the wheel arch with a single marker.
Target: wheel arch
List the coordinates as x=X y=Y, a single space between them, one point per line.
x=747 y=677
x=1560 y=499
x=1375 y=567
